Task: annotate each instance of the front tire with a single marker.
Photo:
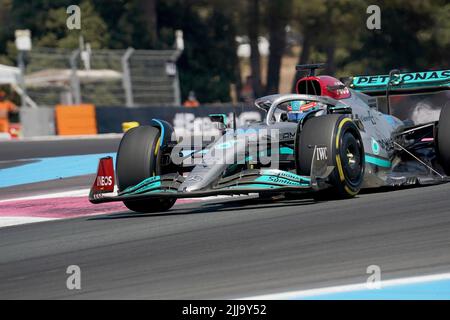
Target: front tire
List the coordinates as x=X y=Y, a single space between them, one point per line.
x=139 y=158
x=345 y=152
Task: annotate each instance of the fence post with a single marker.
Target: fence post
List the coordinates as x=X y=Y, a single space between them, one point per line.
x=126 y=78
x=74 y=80
x=21 y=63
x=176 y=81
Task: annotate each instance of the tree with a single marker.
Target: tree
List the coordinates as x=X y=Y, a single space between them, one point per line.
x=150 y=20
x=93 y=29
x=279 y=14
x=208 y=63
x=307 y=20
x=412 y=37
x=415 y=36
x=330 y=30
x=5 y=30
x=253 y=22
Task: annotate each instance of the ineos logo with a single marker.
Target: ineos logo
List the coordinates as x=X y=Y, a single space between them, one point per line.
x=321 y=153
x=103 y=181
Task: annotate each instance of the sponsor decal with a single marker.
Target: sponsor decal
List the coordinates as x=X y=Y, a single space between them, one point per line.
x=341 y=89
x=322 y=153
x=387 y=144
x=288 y=136
x=406 y=78
x=195 y=178
x=104 y=181
x=278 y=180
x=368 y=118
x=284 y=174
x=375 y=147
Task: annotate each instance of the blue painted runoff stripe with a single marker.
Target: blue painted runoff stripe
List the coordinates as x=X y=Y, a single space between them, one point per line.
x=435 y=290
x=427 y=287
x=51 y=168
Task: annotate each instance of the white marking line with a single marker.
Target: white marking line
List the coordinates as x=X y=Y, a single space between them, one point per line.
x=348 y=288
x=6 y=221
x=85 y=192
x=12 y=221
x=64 y=194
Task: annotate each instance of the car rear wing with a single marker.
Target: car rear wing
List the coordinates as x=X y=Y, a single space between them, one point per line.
x=417 y=97
x=398 y=82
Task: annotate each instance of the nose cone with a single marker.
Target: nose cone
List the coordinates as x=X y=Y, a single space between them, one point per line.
x=190 y=189
x=214 y=162
x=193 y=182
x=202 y=177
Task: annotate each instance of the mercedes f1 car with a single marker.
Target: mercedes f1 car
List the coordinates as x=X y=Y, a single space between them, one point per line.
x=329 y=138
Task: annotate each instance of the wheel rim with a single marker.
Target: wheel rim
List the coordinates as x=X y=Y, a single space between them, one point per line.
x=352 y=161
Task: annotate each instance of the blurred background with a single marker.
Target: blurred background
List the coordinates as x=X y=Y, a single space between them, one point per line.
x=129 y=57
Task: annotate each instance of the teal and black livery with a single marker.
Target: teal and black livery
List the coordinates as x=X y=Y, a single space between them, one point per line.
x=336 y=142
x=250 y=180
x=167 y=183
x=402 y=81
x=263 y=179
x=378 y=161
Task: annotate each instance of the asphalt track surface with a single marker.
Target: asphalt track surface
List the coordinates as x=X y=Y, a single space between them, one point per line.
x=230 y=248
x=13 y=150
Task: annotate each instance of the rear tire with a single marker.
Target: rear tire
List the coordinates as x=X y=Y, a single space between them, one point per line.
x=444 y=139
x=138 y=158
x=345 y=151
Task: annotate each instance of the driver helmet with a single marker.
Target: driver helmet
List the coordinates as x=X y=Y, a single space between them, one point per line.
x=299 y=108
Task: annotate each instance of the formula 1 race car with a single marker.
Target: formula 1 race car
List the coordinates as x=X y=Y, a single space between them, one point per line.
x=329 y=138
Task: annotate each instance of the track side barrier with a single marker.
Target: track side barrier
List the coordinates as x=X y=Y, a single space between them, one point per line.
x=75 y=119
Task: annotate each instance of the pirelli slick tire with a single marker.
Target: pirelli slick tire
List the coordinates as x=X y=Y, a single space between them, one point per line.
x=443 y=139
x=138 y=158
x=344 y=151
